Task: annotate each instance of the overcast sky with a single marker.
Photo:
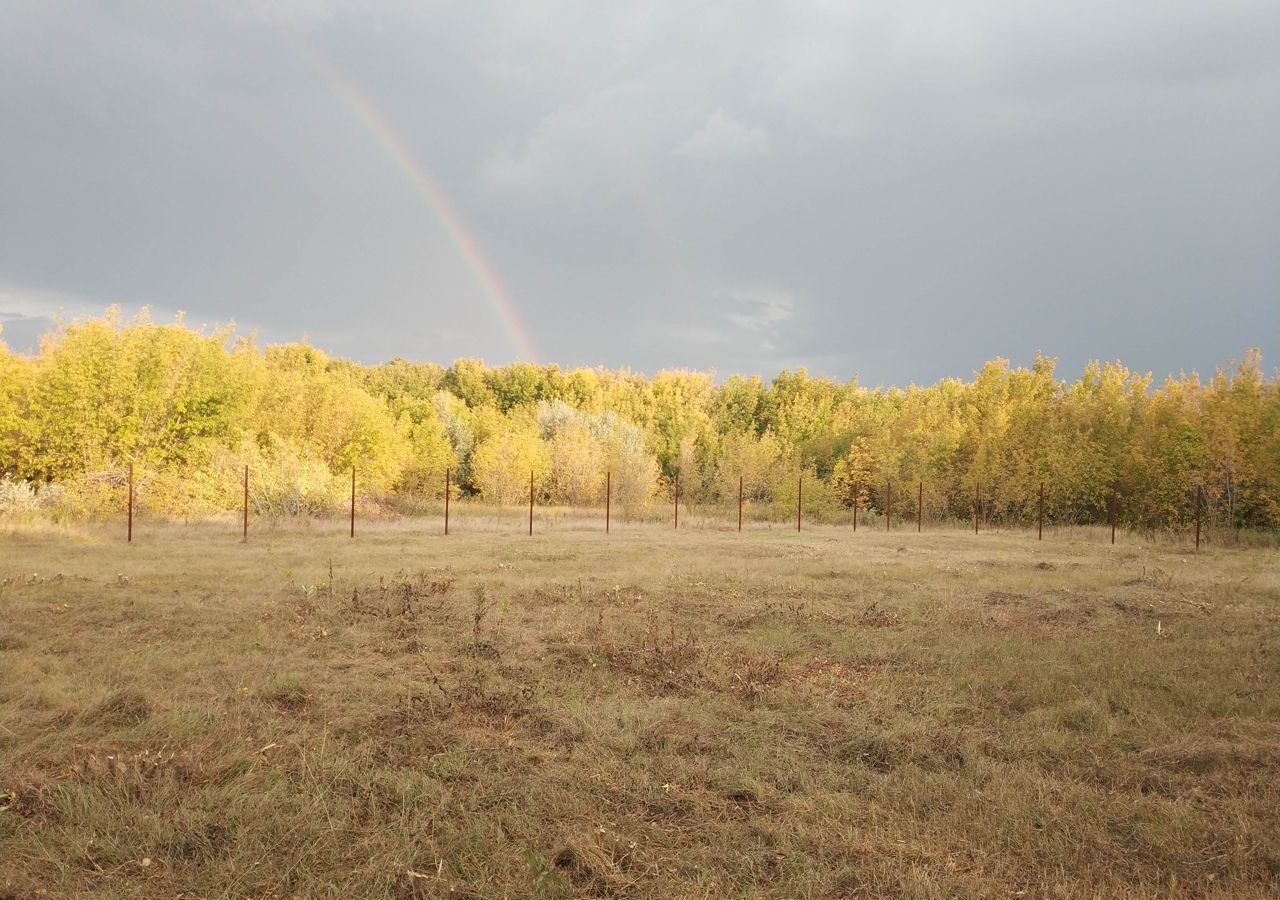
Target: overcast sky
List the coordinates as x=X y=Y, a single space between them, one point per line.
x=896 y=190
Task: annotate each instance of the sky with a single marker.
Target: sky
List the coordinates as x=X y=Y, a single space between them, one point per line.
x=892 y=190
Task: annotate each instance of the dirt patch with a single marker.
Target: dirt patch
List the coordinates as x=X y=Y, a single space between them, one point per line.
x=1072 y=617
x=1006 y=598
x=287 y=695
x=824 y=670
x=680 y=736
x=1135 y=611
x=120 y=708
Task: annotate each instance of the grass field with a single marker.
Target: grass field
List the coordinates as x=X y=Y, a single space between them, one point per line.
x=648 y=714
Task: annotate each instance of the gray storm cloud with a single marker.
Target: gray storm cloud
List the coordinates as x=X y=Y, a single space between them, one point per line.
x=894 y=189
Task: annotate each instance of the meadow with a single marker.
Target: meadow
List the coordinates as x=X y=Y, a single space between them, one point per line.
x=648 y=713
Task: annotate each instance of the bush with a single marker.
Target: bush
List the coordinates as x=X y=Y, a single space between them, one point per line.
x=284 y=480
x=92 y=495
x=17 y=498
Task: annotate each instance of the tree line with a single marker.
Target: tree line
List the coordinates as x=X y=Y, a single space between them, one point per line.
x=189 y=409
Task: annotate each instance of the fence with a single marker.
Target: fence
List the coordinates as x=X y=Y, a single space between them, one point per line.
x=1197 y=506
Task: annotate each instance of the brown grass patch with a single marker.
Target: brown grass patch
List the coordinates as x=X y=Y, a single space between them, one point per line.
x=647 y=715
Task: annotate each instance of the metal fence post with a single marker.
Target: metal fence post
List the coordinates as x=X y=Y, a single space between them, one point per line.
x=799 y=498
x=1040 y=516
x=977 y=505
x=1199 y=505
x=677 y=525
x=246 y=504
x=1114 y=492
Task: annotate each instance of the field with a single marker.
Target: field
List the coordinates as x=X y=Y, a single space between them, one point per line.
x=644 y=714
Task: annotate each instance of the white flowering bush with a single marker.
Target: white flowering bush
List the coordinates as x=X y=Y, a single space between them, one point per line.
x=20 y=498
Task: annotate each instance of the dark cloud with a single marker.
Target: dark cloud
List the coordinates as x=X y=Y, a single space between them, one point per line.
x=897 y=190
x=22 y=333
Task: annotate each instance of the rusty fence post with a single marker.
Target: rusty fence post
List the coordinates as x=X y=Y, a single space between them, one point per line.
x=739 y=503
x=856 y=487
x=1199 y=502
x=799 y=498
x=1114 y=492
x=920 y=508
x=448 y=477
x=977 y=505
x=888 y=506
x=129 y=537
x=677 y=525
x=1040 y=515
x=245 y=536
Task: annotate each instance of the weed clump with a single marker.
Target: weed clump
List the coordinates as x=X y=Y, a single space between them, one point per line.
x=285 y=692
x=120 y=708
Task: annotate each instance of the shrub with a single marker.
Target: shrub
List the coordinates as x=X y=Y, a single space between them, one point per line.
x=17 y=498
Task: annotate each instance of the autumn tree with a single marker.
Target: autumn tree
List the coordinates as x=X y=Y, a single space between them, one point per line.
x=189 y=409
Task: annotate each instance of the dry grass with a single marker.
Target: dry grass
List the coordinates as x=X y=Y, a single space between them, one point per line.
x=645 y=715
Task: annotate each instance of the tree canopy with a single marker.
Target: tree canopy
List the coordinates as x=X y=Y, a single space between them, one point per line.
x=189 y=409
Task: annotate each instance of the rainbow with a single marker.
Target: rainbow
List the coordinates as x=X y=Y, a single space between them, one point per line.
x=428 y=188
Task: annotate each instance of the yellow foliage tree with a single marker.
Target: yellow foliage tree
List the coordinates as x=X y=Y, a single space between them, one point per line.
x=501 y=465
